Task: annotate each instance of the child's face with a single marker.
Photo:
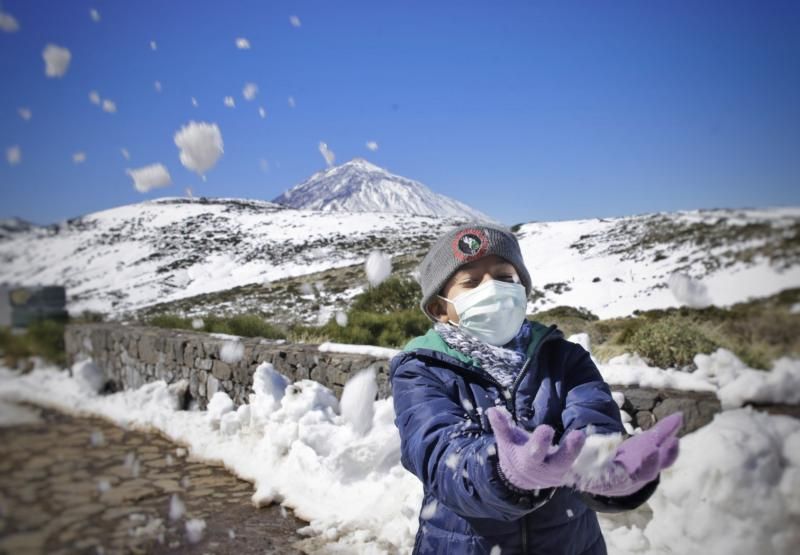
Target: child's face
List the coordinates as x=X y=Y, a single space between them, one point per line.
x=469 y=277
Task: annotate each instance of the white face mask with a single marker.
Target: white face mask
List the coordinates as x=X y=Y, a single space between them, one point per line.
x=492 y=312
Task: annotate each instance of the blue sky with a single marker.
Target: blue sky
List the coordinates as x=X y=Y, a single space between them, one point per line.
x=524 y=110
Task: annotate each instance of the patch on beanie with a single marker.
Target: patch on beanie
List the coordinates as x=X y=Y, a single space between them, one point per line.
x=469 y=244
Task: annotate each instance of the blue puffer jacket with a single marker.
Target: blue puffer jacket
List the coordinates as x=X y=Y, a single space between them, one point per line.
x=440 y=399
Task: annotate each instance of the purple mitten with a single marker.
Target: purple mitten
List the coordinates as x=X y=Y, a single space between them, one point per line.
x=637 y=461
x=527 y=459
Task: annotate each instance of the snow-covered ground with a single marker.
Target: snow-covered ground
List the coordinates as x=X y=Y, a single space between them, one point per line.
x=734 y=488
x=127 y=258
x=613 y=266
x=133 y=256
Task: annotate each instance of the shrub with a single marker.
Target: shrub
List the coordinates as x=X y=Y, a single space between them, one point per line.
x=46 y=339
x=569 y=320
x=369 y=328
x=246 y=325
x=169 y=321
x=670 y=342
x=250 y=325
x=390 y=296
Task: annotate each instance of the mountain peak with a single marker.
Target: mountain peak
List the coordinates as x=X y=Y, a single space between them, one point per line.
x=362 y=164
x=360 y=186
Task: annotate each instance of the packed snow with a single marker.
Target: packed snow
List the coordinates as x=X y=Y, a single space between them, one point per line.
x=732 y=490
x=13 y=414
x=369 y=350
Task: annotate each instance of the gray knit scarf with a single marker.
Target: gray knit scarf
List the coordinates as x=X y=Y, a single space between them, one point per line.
x=500 y=363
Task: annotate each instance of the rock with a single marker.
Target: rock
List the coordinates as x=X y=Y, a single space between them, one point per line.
x=697 y=410
x=640 y=399
x=221 y=370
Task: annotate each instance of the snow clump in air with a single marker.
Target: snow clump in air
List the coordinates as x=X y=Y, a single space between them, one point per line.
x=249 y=91
x=8 y=22
x=56 y=60
x=327 y=153
x=149 y=177
x=378 y=267
x=358 y=401
x=242 y=43
x=231 y=352
x=688 y=291
x=200 y=145
x=14 y=155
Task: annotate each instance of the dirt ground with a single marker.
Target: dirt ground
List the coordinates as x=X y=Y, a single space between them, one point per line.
x=83 y=485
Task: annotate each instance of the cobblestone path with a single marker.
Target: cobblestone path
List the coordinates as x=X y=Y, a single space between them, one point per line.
x=83 y=485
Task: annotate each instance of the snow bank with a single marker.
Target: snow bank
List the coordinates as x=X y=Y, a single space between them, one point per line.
x=737 y=383
x=732 y=490
x=369 y=350
x=721 y=372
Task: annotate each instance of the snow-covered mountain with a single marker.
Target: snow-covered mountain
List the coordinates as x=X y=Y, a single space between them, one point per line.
x=358 y=186
x=230 y=255
x=11 y=226
x=133 y=256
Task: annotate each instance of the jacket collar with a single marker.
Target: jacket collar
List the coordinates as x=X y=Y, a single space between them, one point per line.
x=433 y=346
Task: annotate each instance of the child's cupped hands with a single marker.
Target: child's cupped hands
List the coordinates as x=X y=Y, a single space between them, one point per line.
x=529 y=461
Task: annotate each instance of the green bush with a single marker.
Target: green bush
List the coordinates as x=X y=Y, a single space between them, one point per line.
x=385 y=330
x=563 y=312
x=13 y=346
x=250 y=325
x=569 y=320
x=246 y=325
x=44 y=338
x=670 y=342
x=390 y=296
x=169 y=321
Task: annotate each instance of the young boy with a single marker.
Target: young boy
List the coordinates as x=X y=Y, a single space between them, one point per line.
x=493 y=410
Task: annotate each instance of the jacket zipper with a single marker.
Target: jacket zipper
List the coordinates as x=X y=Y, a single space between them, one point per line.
x=512 y=410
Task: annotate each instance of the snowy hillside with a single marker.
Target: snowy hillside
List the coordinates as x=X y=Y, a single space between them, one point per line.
x=614 y=266
x=132 y=256
x=9 y=227
x=194 y=256
x=359 y=186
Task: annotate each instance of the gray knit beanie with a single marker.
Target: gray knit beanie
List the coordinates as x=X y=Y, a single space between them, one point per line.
x=462 y=245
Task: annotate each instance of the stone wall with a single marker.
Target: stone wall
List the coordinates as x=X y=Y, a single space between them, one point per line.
x=133 y=355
